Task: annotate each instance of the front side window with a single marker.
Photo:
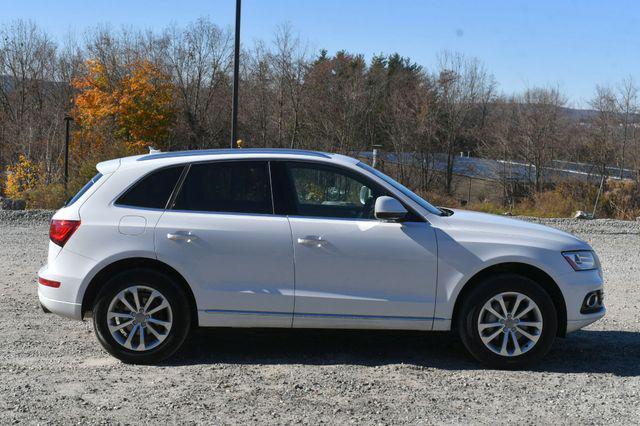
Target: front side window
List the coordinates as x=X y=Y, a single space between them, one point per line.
x=233 y=186
x=406 y=191
x=328 y=192
x=152 y=191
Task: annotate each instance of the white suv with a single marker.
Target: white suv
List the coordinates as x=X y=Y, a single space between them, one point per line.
x=157 y=244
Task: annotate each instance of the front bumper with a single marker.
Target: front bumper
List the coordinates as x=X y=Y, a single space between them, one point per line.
x=575 y=325
x=575 y=286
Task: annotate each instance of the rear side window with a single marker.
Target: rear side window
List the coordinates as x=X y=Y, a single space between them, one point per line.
x=234 y=186
x=84 y=189
x=152 y=191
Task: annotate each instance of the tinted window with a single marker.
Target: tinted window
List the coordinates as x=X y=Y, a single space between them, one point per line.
x=152 y=191
x=328 y=192
x=239 y=187
x=84 y=189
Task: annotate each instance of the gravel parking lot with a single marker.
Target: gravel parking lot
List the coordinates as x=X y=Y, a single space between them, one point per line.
x=53 y=370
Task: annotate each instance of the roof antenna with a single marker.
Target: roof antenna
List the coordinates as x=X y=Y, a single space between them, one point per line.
x=153 y=150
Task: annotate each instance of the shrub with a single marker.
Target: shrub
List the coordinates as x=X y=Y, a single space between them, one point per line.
x=553 y=203
x=440 y=200
x=46 y=196
x=621 y=200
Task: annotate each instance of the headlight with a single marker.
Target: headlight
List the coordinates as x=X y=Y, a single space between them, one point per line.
x=583 y=260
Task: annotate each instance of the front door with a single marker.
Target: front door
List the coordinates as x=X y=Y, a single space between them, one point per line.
x=221 y=235
x=351 y=270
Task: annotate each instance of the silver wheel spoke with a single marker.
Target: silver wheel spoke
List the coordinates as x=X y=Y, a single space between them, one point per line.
x=127 y=343
x=125 y=326
x=493 y=311
x=532 y=337
x=516 y=345
x=154 y=332
x=482 y=327
x=505 y=312
x=158 y=308
x=118 y=327
x=125 y=302
x=151 y=298
x=537 y=325
x=487 y=339
x=136 y=298
x=526 y=310
x=165 y=324
x=516 y=305
x=505 y=341
x=112 y=315
x=141 y=345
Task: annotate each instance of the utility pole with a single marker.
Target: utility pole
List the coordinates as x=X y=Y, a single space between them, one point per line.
x=67 y=120
x=236 y=72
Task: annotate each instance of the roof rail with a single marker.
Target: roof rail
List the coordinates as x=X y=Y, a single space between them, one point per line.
x=193 y=153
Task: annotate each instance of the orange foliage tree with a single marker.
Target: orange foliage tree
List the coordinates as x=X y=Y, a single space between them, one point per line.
x=22 y=177
x=132 y=111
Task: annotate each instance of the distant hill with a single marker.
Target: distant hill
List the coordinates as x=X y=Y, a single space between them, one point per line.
x=580 y=114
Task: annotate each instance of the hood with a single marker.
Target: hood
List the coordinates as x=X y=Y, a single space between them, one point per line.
x=515 y=231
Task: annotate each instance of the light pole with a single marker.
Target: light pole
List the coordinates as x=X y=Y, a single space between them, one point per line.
x=236 y=71
x=67 y=120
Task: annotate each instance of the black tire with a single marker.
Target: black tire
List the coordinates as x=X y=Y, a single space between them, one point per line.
x=174 y=295
x=482 y=292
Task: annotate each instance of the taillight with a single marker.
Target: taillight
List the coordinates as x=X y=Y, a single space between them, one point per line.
x=61 y=230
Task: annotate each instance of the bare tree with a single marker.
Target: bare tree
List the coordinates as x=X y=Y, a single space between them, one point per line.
x=604 y=128
x=464 y=86
x=290 y=63
x=199 y=58
x=28 y=63
x=541 y=123
x=628 y=107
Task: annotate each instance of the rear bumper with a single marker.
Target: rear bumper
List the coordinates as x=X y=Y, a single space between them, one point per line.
x=66 y=309
x=63 y=300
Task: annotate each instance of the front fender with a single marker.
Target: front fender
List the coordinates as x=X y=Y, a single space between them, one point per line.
x=459 y=261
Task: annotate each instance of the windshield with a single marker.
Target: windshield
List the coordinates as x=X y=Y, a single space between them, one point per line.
x=400 y=187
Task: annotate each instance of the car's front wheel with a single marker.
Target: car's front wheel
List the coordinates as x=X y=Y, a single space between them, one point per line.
x=507 y=321
x=141 y=316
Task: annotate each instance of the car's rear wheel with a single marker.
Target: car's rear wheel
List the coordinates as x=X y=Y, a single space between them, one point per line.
x=141 y=316
x=507 y=321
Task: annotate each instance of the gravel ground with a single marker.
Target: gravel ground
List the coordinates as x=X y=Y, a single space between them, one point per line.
x=53 y=370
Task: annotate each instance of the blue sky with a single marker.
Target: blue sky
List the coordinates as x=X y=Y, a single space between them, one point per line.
x=570 y=44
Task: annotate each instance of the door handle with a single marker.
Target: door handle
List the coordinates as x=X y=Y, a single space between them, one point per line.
x=182 y=236
x=312 y=240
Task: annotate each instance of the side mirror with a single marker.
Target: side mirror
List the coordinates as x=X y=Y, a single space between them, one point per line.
x=388 y=208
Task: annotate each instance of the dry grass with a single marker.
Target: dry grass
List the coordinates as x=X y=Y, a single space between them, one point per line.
x=619 y=200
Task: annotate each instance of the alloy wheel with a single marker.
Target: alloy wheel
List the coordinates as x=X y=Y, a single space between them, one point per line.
x=510 y=324
x=139 y=318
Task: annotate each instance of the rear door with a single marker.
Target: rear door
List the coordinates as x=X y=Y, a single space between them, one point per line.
x=221 y=234
x=351 y=270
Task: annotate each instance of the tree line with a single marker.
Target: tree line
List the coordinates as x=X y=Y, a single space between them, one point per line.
x=171 y=89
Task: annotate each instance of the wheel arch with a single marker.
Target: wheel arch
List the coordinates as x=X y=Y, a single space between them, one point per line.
x=530 y=271
x=131 y=263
